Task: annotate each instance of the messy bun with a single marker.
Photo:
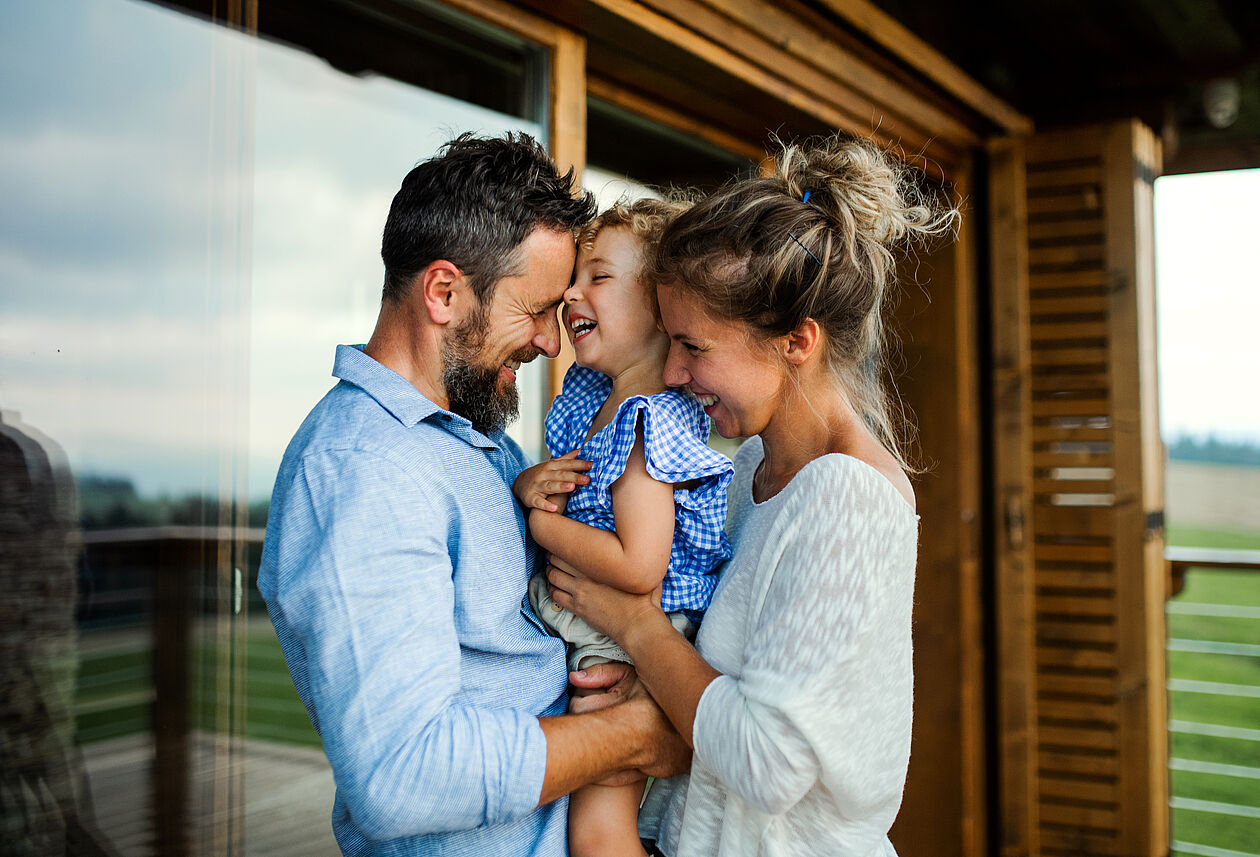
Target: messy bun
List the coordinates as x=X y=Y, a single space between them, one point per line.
x=817 y=239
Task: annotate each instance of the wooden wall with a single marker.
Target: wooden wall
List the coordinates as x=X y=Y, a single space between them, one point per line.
x=944 y=810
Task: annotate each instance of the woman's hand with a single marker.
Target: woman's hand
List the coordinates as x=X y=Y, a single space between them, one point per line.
x=609 y=610
x=535 y=485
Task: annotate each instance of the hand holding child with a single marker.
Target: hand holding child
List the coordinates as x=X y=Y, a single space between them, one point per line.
x=535 y=485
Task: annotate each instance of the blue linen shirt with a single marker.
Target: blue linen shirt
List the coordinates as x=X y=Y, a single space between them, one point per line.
x=675 y=429
x=394 y=569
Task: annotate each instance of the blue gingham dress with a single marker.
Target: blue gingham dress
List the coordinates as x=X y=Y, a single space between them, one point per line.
x=675 y=429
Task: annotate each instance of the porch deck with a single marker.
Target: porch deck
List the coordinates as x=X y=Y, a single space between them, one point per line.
x=289 y=794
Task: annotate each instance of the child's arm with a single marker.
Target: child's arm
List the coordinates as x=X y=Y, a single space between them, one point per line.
x=547 y=485
x=636 y=556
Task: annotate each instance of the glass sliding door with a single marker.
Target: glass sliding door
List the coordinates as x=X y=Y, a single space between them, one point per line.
x=192 y=223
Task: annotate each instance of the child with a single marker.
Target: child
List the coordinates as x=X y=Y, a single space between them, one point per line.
x=651 y=511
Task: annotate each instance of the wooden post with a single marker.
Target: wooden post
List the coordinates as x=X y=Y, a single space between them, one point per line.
x=568 y=145
x=943 y=812
x=1013 y=607
x=1132 y=160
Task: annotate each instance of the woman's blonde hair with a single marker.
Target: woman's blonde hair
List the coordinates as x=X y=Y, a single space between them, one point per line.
x=815 y=240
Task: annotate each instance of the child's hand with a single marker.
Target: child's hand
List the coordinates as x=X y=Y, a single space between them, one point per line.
x=536 y=484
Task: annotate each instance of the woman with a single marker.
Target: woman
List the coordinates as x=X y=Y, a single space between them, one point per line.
x=797 y=695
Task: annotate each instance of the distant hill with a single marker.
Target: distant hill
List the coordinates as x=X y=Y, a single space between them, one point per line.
x=1212 y=450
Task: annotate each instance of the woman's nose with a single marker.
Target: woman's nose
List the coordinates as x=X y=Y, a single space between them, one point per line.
x=675 y=374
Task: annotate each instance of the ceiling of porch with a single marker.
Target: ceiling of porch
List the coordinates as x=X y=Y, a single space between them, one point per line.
x=1070 y=61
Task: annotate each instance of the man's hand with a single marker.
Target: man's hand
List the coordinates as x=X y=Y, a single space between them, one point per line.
x=667 y=753
x=600 y=686
x=535 y=485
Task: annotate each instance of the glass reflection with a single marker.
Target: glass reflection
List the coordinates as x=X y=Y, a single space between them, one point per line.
x=192 y=222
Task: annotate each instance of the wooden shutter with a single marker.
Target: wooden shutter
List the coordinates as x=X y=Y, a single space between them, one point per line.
x=1098 y=778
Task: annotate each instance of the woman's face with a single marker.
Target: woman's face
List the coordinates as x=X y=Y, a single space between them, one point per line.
x=737 y=379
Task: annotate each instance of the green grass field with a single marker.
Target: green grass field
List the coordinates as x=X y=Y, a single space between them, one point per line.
x=1191 y=753
x=115 y=692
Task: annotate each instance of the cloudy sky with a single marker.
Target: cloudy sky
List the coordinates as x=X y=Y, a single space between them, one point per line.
x=179 y=252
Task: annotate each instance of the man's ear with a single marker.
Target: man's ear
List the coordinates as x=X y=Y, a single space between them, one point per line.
x=442 y=286
x=800 y=344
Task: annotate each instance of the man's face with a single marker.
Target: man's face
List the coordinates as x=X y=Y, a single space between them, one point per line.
x=481 y=353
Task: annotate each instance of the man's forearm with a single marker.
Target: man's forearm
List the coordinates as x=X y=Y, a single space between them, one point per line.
x=587 y=748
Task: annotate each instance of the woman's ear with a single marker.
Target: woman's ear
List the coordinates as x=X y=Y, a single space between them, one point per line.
x=802 y=343
x=440 y=286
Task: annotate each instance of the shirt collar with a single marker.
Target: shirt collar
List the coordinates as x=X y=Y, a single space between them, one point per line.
x=400 y=397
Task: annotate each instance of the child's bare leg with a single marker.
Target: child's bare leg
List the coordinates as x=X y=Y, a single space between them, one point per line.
x=604 y=820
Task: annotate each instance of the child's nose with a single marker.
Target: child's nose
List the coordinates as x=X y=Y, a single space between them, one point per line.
x=572 y=294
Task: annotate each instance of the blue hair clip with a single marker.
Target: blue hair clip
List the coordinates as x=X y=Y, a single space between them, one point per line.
x=805 y=198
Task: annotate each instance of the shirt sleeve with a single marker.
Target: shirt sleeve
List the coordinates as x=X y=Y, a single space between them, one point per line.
x=674 y=447
x=796 y=710
x=364 y=582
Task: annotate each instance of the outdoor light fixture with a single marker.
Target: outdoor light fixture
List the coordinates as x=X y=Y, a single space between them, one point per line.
x=1220 y=101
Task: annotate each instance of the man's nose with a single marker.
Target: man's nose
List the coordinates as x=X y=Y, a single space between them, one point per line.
x=675 y=374
x=548 y=339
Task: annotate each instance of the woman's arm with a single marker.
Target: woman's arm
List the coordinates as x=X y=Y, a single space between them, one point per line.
x=635 y=557
x=824 y=682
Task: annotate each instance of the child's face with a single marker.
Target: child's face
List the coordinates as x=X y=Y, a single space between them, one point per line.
x=606 y=311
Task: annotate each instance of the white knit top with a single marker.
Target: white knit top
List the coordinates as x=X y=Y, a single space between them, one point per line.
x=801 y=745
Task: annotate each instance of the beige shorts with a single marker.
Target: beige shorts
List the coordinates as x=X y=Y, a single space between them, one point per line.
x=586 y=645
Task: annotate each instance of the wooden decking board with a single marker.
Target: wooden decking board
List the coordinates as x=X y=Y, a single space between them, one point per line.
x=288 y=796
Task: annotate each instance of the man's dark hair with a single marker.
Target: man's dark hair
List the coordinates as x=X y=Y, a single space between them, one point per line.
x=473 y=204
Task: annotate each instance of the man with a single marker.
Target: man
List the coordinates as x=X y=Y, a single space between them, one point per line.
x=396 y=559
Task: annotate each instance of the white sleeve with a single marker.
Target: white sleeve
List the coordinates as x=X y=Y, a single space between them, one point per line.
x=772 y=734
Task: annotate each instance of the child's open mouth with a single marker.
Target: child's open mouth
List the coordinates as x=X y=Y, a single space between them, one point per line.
x=581 y=327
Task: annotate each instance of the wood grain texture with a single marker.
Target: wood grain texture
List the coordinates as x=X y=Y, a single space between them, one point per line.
x=1099 y=609
x=1011 y=392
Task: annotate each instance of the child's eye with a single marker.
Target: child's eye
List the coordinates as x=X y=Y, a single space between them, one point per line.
x=599 y=277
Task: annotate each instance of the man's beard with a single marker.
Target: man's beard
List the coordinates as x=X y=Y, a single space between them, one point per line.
x=473 y=390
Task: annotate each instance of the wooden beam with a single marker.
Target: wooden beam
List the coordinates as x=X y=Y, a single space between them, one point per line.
x=779 y=33
x=1013 y=608
x=886 y=32
x=822 y=106
x=510 y=17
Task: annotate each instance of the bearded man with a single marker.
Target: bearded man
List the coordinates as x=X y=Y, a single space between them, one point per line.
x=396 y=559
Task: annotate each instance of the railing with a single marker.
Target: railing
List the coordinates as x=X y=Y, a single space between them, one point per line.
x=1214 y=701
